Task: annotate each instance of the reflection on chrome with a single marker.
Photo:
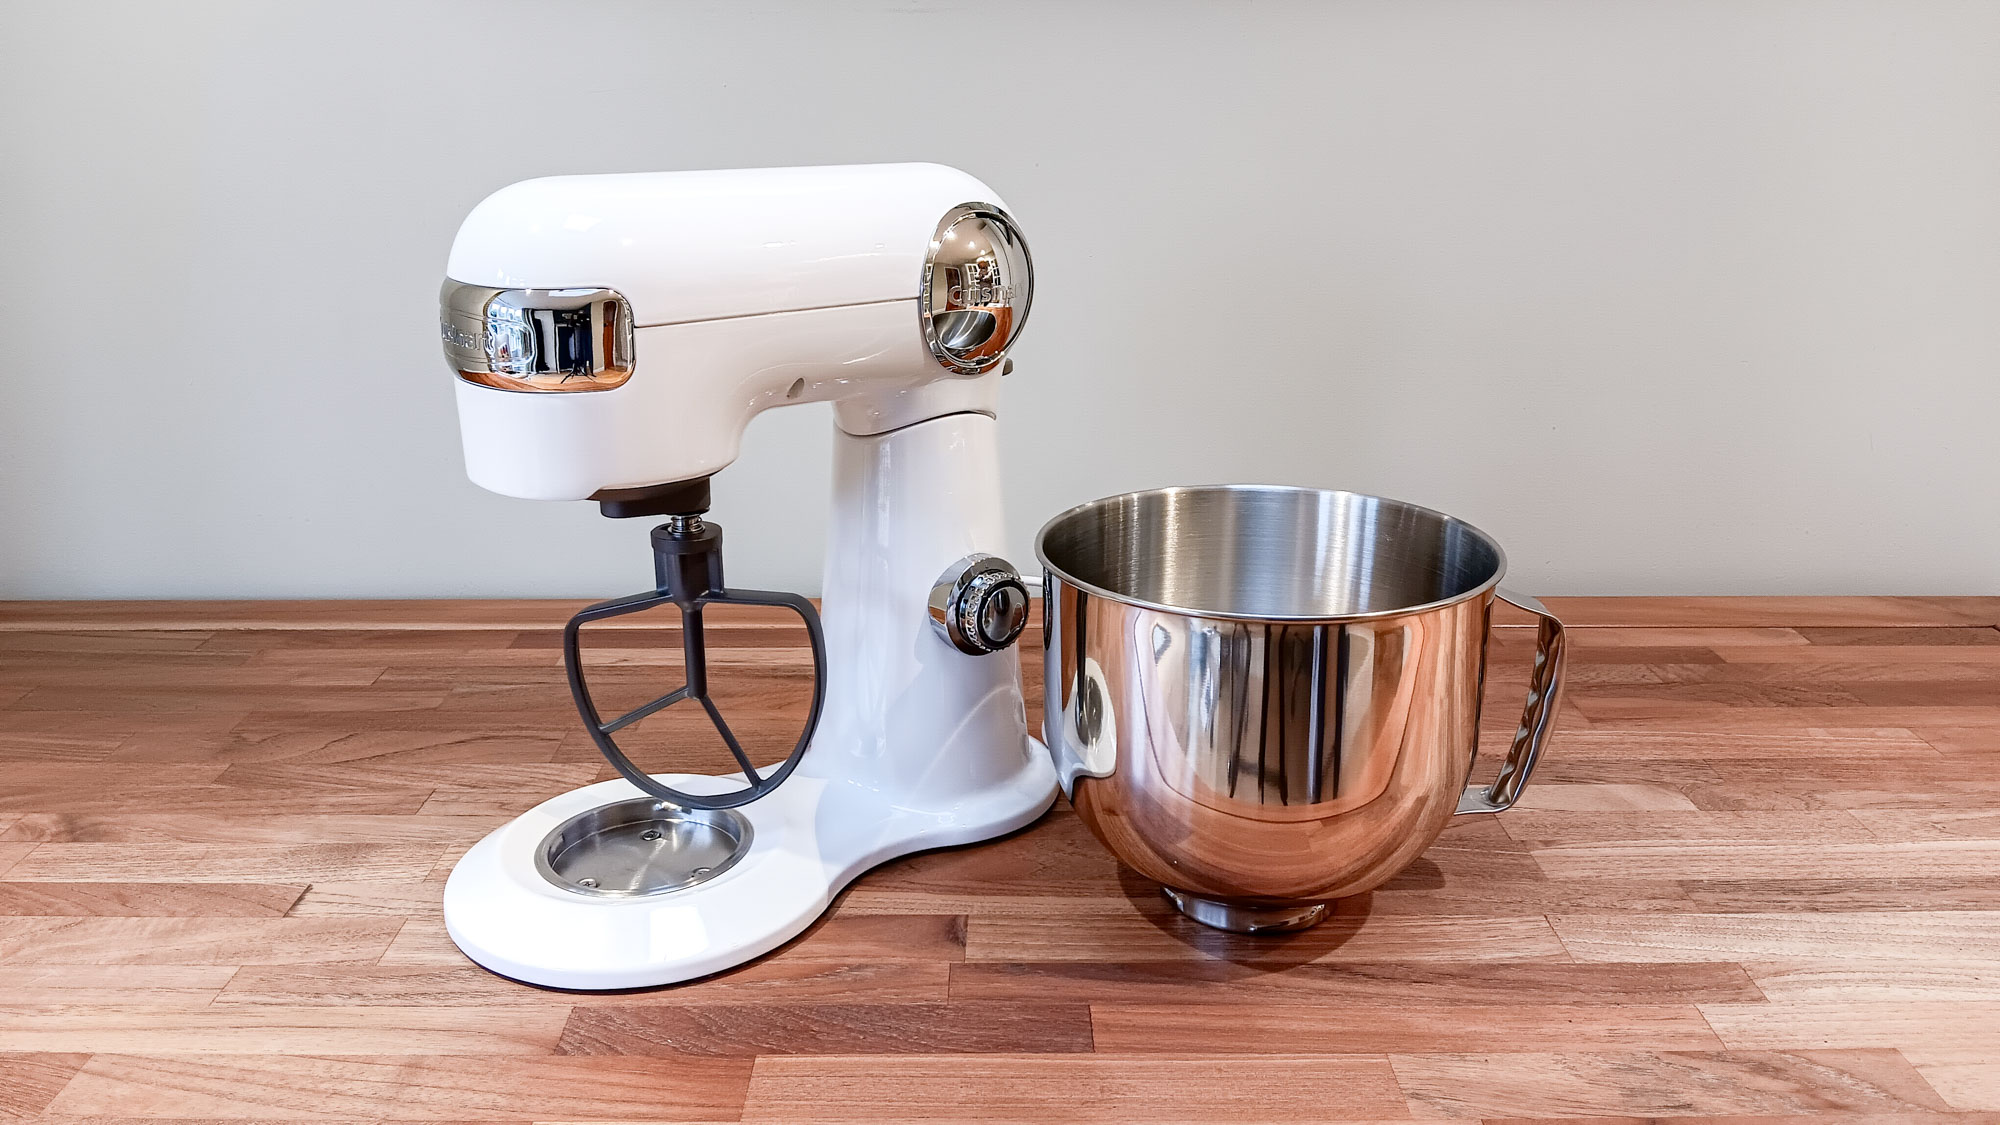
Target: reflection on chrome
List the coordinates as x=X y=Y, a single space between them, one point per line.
x=978 y=282
x=1268 y=698
x=562 y=340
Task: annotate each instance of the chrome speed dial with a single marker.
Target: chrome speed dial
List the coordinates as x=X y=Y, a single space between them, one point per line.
x=977 y=284
x=979 y=604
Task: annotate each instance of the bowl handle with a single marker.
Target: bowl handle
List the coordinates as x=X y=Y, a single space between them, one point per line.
x=1545 y=686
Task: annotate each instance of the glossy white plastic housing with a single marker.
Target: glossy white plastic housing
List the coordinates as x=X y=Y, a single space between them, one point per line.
x=751 y=288
x=921 y=746
x=696 y=388
x=685 y=246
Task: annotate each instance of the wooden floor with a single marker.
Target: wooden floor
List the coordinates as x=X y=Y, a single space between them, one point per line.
x=1758 y=876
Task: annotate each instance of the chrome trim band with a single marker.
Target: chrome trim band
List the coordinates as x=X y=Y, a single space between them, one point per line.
x=536 y=340
x=978 y=283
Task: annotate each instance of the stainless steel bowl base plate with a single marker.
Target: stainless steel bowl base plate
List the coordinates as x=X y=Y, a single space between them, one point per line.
x=643 y=846
x=1282 y=918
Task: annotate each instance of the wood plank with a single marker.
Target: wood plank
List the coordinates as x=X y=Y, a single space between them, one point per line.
x=239 y=1029
x=1932 y=824
x=422 y=941
x=1939 y=692
x=1813 y=782
x=1510 y=653
x=306 y=645
x=1885 y=793
x=386 y=900
x=1835 y=666
x=308 y=780
x=773 y=980
x=143 y=700
x=408 y=1087
x=1857 y=979
x=1935 y=637
x=16 y=641
x=90 y=724
x=1652 y=1084
x=1607 y=705
x=192 y=941
x=458 y=724
x=1340 y=939
x=182 y=986
x=29 y=1081
x=750 y=1030
x=902 y=937
x=1965 y=936
x=55 y=749
x=1958 y=1024
x=1206 y=983
x=1412 y=894
x=1965 y=1078
x=1755 y=859
x=1104 y=1088
x=1387 y=1028
x=338 y=747
x=1725 y=716
x=222 y=673
x=1607 y=796
x=1887 y=659
x=1592 y=640
x=245 y=803
x=293 y=828
x=1543 y=830
x=52 y=781
x=1737 y=896
x=150 y=900
x=1663 y=745
x=1953 y=739
x=225 y=863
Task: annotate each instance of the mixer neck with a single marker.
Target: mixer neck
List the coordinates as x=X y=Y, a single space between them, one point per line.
x=676 y=499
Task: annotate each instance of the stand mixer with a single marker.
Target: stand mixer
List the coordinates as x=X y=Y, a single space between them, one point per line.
x=612 y=337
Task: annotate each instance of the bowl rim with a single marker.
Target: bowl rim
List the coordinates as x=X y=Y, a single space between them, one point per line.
x=1051 y=570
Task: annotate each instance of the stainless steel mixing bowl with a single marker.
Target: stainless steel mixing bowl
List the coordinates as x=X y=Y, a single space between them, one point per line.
x=1268 y=698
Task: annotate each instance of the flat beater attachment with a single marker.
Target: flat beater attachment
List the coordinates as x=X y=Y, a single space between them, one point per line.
x=687 y=562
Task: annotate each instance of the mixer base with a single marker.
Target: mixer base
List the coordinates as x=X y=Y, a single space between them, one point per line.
x=1240 y=919
x=808 y=839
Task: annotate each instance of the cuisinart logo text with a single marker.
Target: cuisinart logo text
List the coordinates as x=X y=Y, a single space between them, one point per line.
x=979 y=286
x=456 y=337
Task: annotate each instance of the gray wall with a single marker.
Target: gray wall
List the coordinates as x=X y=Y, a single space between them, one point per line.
x=1671 y=297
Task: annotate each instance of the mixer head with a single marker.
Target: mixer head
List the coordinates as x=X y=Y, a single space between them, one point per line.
x=618 y=332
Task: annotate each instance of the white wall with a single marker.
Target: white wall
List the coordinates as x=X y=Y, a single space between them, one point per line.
x=1671 y=297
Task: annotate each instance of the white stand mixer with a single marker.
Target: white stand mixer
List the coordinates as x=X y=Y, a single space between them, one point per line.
x=613 y=335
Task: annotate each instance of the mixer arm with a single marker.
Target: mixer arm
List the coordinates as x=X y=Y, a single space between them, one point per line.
x=696 y=687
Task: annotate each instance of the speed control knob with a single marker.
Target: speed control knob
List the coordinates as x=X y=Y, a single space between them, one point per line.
x=980 y=604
